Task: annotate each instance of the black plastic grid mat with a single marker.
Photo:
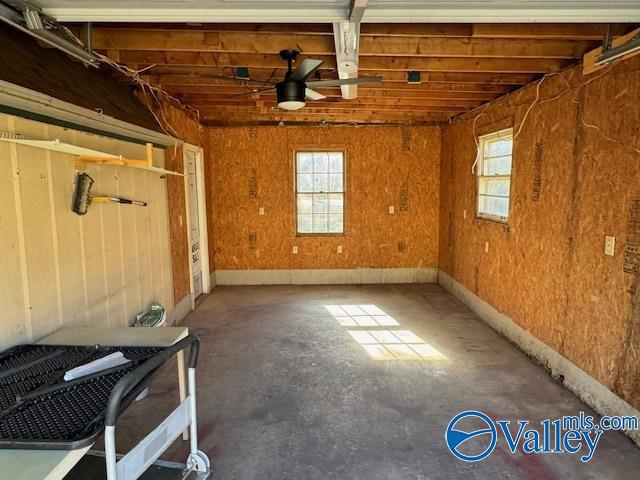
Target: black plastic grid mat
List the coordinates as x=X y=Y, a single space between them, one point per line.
x=39 y=409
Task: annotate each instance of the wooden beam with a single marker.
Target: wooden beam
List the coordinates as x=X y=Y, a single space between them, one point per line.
x=261 y=75
x=408 y=95
x=381 y=100
x=337 y=108
x=356 y=104
x=313 y=117
x=437 y=90
x=567 y=31
x=378 y=64
x=205 y=41
x=590 y=58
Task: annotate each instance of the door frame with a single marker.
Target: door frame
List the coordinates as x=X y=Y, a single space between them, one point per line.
x=202 y=218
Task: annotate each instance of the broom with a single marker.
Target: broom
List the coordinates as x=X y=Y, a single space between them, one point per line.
x=82 y=196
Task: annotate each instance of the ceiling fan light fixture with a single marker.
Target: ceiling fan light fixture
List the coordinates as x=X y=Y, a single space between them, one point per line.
x=291 y=105
x=291 y=95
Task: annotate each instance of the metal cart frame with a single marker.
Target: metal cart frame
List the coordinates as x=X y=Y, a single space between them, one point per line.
x=143 y=455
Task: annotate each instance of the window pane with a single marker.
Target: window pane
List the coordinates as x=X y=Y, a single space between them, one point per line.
x=335 y=162
x=305 y=162
x=305 y=223
x=320 y=203
x=497 y=166
x=335 y=182
x=305 y=203
x=320 y=182
x=495 y=186
x=336 y=203
x=495 y=148
x=318 y=174
x=335 y=224
x=305 y=182
x=320 y=223
x=494 y=206
x=321 y=163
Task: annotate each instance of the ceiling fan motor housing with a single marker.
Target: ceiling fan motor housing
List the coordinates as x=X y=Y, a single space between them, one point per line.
x=291 y=91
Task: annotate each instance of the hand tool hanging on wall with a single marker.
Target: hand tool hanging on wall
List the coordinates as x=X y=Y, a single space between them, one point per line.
x=82 y=196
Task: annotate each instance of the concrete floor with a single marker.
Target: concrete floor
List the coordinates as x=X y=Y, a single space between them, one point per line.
x=285 y=392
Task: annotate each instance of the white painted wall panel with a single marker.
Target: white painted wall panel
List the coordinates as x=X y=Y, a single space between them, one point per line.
x=58 y=268
x=14 y=321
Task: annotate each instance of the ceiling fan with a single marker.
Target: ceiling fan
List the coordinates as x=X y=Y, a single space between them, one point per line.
x=295 y=89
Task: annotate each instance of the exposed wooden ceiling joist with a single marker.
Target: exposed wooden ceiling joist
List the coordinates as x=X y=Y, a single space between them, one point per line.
x=559 y=31
x=399 y=79
x=366 y=63
x=272 y=43
x=461 y=65
x=228 y=93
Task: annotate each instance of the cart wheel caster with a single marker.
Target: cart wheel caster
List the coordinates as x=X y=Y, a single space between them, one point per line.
x=199 y=462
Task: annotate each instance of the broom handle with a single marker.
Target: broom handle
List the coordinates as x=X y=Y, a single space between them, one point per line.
x=105 y=199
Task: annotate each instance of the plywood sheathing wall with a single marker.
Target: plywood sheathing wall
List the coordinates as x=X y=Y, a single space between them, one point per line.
x=182 y=124
x=570 y=187
x=249 y=168
x=62 y=269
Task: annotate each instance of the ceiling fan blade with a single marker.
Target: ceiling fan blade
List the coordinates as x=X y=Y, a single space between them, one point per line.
x=305 y=69
x=344 y=81
x=258 y=92
x=313 y=95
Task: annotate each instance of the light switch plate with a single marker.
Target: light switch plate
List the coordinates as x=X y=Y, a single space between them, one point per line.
x=392 y=210
x=464 y=214
x=486 y=247
x=609 y=245
x=339 y=249
x=295 y=249
x=261 y=211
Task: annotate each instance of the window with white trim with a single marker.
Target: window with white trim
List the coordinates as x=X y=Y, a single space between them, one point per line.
x=494 y=175
x=320 y=193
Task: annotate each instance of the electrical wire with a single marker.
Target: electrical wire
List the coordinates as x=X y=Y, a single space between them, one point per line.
x=599 y=130
x=537 y=101
x=146 y=86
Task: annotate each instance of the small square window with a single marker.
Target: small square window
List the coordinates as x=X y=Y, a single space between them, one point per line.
x=494 y=175
x=320 y=193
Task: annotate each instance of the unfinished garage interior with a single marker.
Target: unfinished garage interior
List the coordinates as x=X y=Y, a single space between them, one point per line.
x=323 y=239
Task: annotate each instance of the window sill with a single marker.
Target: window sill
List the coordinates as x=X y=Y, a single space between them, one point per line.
x=320 y=234
x=492 y=219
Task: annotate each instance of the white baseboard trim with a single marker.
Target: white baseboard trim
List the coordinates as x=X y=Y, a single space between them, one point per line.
x=183 y=307
x=324 y=277
x=587 y=388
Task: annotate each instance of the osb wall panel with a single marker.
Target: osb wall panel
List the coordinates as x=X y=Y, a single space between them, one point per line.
x=61 y=269
x=254 y=167
x=571 y=186
x=180 y=124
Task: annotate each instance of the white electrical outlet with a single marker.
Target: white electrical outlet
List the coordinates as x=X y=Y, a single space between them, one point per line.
x=609 y=245
x=261 y=211
x=295 y=249
x=486 y=247
x=464 y=214
x=339 y=249
x=392 y=210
